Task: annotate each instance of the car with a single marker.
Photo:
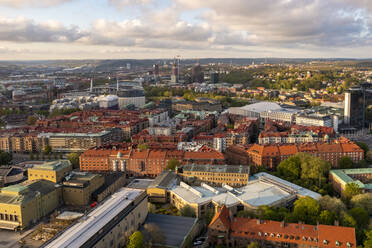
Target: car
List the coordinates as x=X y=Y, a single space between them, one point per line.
x=196 y=243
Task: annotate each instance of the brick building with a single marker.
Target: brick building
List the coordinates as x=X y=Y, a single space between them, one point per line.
x=149 y=162
x=239 y=232
x=270 y=156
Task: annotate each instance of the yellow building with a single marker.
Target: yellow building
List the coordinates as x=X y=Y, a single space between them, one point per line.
x=158 y=189
x=24 y=204
x=53 y=171
x=233 y=175
x=79 y=186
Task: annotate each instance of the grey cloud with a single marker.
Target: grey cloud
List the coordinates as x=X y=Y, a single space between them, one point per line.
x=25 y=30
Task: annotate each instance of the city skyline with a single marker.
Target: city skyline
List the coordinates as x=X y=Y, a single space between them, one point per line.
x=144 y=29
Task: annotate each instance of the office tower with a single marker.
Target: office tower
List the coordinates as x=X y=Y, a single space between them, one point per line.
x=155 y=71
x=214 y=77
x=357 y=100
x=174 y=75
x=197 y=74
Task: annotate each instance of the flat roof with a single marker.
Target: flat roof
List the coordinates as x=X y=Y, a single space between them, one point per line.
x=264 y=189
x=343 y=176
x=140 y=183
x=174 y=228
x=90 y=224
x=53 y=165
x=164 y=180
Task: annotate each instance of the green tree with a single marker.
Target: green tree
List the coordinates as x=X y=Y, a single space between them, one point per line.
x=314 y=168
x=37 y=156
x=351 y=189
x=188 y=211
x=364 y=146
x=31 y=120
x=47 y=149
x=332 y=204
x=345 y=162
x=253 y=245
x=368 y=241
x=136 y=240
x=143 y=147
x=360 y=215
x=327 y=217
x=363 y=201
x=74 y=159
x=369 y=156
x=172 y=164
x=290 y=168
x=5 y=158
x=32 y=156
x=306 y=209
x=347 y=220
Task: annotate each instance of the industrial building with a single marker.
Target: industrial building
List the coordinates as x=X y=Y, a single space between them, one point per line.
x=107 y=225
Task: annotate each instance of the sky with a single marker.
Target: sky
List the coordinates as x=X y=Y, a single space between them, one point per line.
x=146 y=29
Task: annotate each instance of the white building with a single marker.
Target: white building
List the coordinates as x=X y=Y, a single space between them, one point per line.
x=219 y=143
x=308 y=120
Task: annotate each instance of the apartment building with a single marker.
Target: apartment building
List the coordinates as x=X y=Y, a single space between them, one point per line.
x=361 y=176
x=225 y=229
x=270 y=156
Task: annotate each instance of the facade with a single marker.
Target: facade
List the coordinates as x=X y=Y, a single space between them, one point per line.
x=265 y=189
x=270 y=156
x=23 y=204
x=284 y=115
x=79 y=187
x=239 y=232
x=233 y=175
x=53 y=171
x=149 y=162
x=323 y=121
x=356 y=101
x=158 y=189
x=362 y=177
x=108 y=225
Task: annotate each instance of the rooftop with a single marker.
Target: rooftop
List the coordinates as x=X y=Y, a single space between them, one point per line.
x=344 y=176
x=140 y=183
x=165 y=180
x=82 y=231
x=53 y=165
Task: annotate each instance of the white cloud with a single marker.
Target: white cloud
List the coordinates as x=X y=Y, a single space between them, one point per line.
x=32 y=3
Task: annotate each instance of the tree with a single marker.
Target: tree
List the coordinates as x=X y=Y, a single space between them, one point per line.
x=369 y=156
x=290 y=168
x=363 y=201
x=253 y=245
x=347 y=220
x=31 y=120
x=32 y=156
x=327 y=217
x=314 y=168
x=136 y=240
x=360 y=215
x=47 y=149
x=332 y=204
x=5 y=158
x=172 y=164
x=364 y=146
x=143 y=147
x=188 y=211
x=368 y=241
x=351 y=189
x=345 y=162
x=153 y=235
x=74 y=159
x=306 y=209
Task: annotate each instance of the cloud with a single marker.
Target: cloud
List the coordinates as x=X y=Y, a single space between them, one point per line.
x=125 y=3
x=32 y=3
x=26 y=30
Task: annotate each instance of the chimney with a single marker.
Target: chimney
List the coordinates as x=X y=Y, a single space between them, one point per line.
x=91 y=85
x=117 y=84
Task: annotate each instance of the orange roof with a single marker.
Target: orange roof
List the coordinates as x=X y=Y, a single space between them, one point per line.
x=286 y=150
x=223 y=216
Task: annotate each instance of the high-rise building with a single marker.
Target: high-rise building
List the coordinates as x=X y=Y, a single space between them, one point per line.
x=197 y=74
x=357 y=99
x=174 y=75
x=214 y=77
x=155 y=71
